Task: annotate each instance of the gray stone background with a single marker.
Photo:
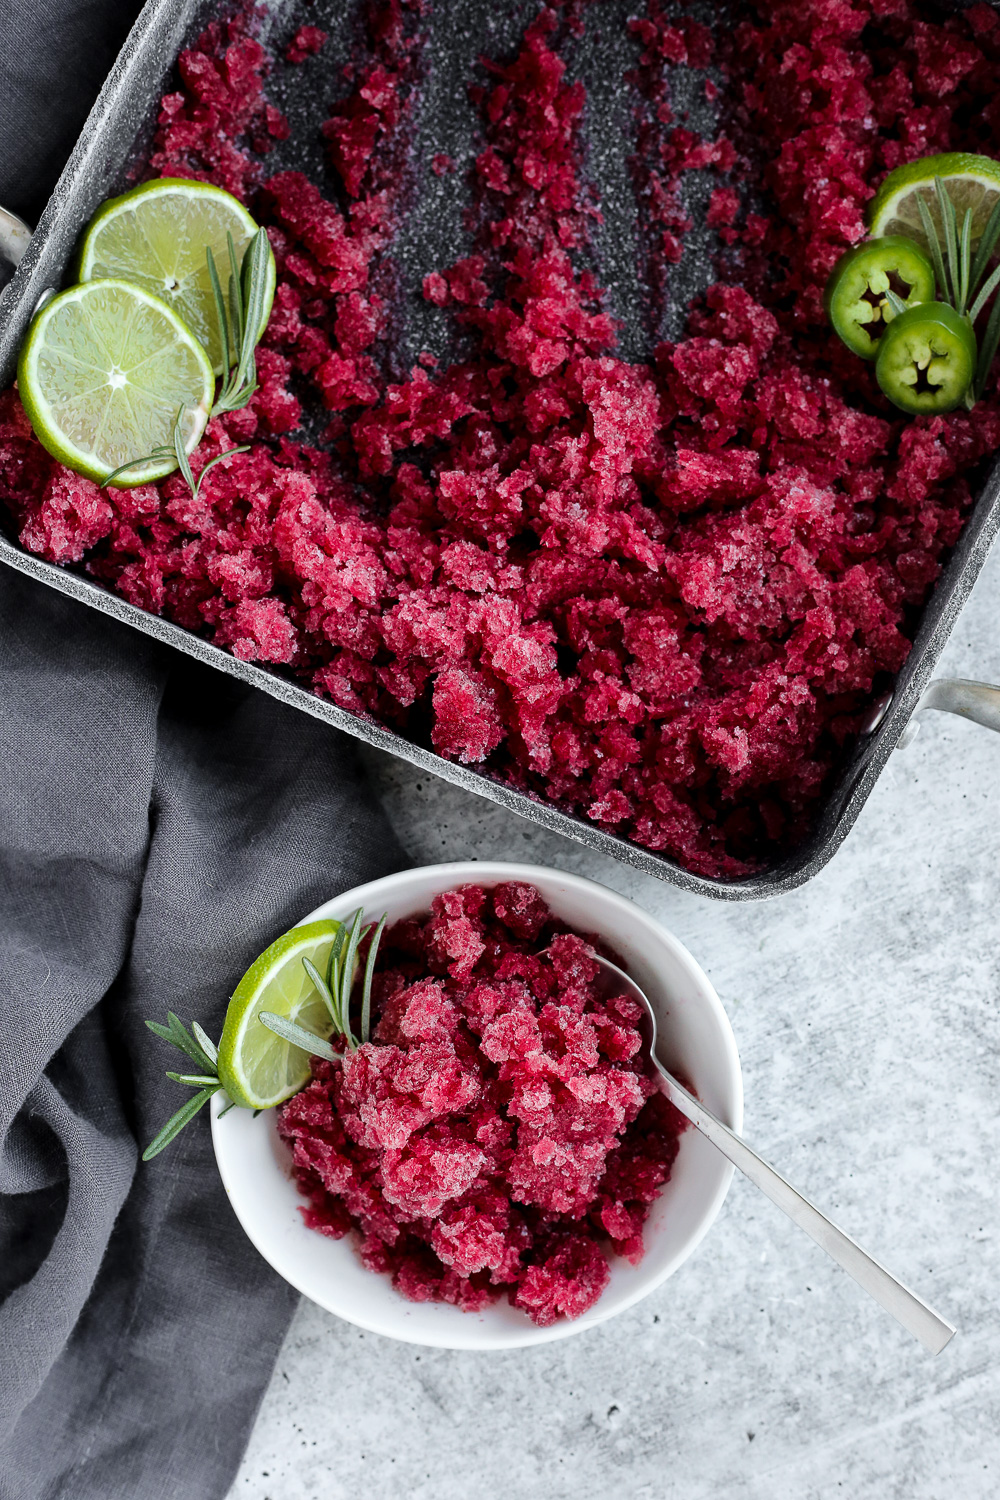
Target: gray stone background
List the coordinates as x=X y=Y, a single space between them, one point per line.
x=865 y=1009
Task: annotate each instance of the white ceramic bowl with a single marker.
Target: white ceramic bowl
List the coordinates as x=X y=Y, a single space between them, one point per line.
x=695 y=1036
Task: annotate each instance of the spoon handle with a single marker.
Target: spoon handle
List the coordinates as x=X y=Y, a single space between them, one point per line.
x=905 y=1306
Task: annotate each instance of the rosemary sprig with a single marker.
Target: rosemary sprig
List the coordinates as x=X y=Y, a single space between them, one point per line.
x=179 y=454
x=239 y=331
x=335 y=987
x=960 y=275
x=247 y=290
x=198 y=1046
x=957 y=273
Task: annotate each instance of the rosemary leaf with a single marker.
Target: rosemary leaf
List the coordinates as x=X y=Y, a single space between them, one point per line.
x=245 y=373
x=244 y=448
x=339 y=939
x=964 y=261
x=235 y=296
x=948 y=219
x=298 y=1036
x=987 y=350
x=183 y=463
x=323 y=988
x=162 y=1031
x=196 y=1080
x=334 y=988
x=157 y=455
x=895 y=302
x=347 y=977
x=220 y=311
x=253 y=285
x=226 y=1108
x=987 y=244
x=366 y=993
x=177 y=1034
x=989 y=287
x=205 y=1042
x=176 y=1123
x=934 y=243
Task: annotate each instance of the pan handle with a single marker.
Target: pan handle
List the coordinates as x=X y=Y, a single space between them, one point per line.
x=14 y=239
x=956 y=695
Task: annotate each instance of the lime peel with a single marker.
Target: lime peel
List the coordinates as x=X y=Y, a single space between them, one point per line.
x=257 y=1068
x=971 y=181
x=102 y=375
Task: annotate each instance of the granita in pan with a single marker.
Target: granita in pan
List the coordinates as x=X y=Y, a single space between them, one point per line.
x=659 y=591
x=499 y=1135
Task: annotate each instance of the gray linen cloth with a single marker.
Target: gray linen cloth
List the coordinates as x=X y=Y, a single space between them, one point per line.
x=54 y=57
x=159 y=825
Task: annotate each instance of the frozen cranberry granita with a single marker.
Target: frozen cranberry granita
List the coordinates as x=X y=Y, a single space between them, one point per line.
x=658 y=593
x=499 y=1134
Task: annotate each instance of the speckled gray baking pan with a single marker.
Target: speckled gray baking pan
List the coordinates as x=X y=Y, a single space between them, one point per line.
x=118 y=129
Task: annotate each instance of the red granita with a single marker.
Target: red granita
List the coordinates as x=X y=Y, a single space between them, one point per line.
x=306 y=42
x=500 y=1134
x=658 y=594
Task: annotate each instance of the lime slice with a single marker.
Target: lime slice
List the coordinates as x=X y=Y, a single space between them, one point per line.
x=258 y=1069
x=971 y=182
x=103 y=373
x=156 y=236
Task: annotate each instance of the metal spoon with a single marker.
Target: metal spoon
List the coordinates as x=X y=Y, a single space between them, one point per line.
x=905 y=1306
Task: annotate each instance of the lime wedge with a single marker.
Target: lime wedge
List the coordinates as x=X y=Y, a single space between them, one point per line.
x=258 y=1069
x=971 y=182
x=156 y=236
x=102 y=375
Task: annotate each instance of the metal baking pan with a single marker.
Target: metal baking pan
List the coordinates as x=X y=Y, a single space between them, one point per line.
x=115 y=134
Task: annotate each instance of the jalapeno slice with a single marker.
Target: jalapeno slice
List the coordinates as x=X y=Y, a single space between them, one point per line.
x=926 y=359
x=855 y=299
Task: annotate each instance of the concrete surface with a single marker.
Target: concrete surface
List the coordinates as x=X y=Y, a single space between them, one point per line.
x=865 y=1008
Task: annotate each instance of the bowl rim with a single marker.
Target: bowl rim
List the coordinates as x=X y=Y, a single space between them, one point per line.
x=493 y=872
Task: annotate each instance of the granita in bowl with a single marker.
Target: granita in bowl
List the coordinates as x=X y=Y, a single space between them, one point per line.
x=500 y=1133
x=496 y=1166
x=581 y=491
